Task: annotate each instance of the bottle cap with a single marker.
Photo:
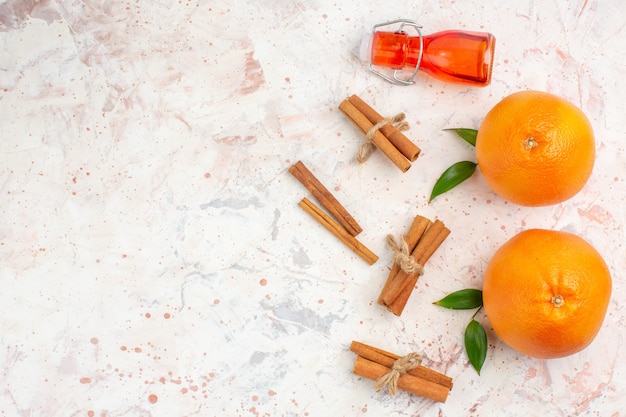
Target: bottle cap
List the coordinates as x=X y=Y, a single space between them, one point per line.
x=365 y=50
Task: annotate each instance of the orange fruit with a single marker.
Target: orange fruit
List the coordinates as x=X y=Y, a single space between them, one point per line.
x=546 y=293
x=535 y=149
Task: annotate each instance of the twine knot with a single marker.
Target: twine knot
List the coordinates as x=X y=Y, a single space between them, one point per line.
x=367 y=147
x=400 y=367
x=402 y=256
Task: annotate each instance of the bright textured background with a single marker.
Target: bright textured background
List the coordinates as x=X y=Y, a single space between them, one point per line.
x=154 y=261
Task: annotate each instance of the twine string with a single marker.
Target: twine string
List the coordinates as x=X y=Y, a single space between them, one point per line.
x=366 y=149
x=402 y=256
x=400 y=367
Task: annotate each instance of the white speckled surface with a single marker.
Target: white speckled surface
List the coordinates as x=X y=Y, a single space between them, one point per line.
x=153 y=258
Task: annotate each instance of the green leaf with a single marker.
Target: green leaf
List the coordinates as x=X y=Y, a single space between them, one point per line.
x=453 y=176
x=468 y=135
x=462 y=300
x=476 y=344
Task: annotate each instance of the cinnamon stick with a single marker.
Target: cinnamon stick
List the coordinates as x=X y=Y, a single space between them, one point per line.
x=430 y=242
x=416 y=230
x=398 y=291
x=387 y=359
x=372 y=364
x=325 y=197
x=393 y=134
x=378 y=139
x=336 y=229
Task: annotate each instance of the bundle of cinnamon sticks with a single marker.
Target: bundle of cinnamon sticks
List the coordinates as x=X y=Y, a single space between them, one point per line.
x=345 y=227
x=385 y=136
x=422 y=240
x=374 y=363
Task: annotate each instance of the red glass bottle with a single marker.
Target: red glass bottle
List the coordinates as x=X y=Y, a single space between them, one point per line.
x=451 y=55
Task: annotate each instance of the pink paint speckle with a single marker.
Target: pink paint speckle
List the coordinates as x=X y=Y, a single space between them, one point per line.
x=532 y=373
x=254 y=77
